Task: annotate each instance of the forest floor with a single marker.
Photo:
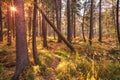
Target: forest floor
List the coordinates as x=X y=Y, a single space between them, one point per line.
x=101 y=61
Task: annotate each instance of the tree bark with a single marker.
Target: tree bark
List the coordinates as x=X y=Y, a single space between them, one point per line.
x=56 y=30
x=44 y=33
x=29 y=22
x=1 y=28
x=9 y=32
x=117 y=21
x=74 y=24
x=83 y=20
x=69 y=27
x=91 y=23
x=35 y=56
x=100 y=27
x=21 y=41
x=58 y=16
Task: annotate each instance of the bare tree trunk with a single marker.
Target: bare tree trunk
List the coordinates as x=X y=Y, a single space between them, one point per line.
x=69 y=27
x=1 y=28
x=9 y=32
x=54 y=23
x=13 y=24
x=58 y=16
x=113 y=12
x=21 y=41
x=100 y=27
x=57 y=31
x=83 y=20
x=29 y=22
x=91 y=23
x=74 y=24
x=44 y=33
x=34 y=46
x=117 y=21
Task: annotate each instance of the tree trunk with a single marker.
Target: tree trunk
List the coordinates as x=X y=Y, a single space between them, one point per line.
x=9 y=32
x=44 y=32
x=56 y=30
x=1 y=29
x=21 y=41
x=29 y=22
x=83 y=20
x=91 y=23
x=117 y=21
x=35 y=56
x=58 y=16
x=74 y=24
x=113 y=12
x=13 y=25
x=100 y=27
x=69 y=27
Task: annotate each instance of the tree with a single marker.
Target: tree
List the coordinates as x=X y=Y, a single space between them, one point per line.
x=91 y=23
x=9 y=19
x=21 y=41
x=44 y=32
x=1 y=29
x=69 y=27
x=36 y=58
x=73 y=16
x=100 y=27
x=83 y=21
x=58 y=16
x=117 y=21
x=30 y=21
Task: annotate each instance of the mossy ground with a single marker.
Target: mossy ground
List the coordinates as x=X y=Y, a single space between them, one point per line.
x=101 y=61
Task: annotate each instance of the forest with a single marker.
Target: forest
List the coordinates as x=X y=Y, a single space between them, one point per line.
x=59 y=40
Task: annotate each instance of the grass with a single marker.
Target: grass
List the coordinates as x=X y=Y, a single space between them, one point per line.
x=97 y=62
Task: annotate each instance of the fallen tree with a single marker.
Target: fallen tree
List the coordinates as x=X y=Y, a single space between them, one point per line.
x=56 y=30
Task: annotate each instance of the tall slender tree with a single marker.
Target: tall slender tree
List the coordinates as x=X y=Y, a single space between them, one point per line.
x=69 y=27
x=117 y=21
x=58 y=16
x=44 y=32
x=91 y=23
x=30 y=21
x=9 y=32
x=21 y=41
x=73 y=18
x=83 y=21
x=34 y=46
x=100 y=27
x=1 y=28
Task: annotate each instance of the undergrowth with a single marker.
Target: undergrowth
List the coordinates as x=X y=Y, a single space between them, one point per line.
x=96 y=62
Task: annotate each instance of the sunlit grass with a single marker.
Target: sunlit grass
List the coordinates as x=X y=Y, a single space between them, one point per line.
x=96 y=62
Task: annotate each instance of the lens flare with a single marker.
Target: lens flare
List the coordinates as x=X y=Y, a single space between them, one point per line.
x=13 y=8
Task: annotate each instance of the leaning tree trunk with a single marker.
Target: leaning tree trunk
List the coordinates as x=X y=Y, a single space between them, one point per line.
x=35 y=56
x=91 y=23
x=21 y=41
x=117 y=21
x=56 y=30
x=1 y=29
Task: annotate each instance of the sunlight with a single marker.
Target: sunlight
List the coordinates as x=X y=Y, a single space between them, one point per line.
x=13 y=8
